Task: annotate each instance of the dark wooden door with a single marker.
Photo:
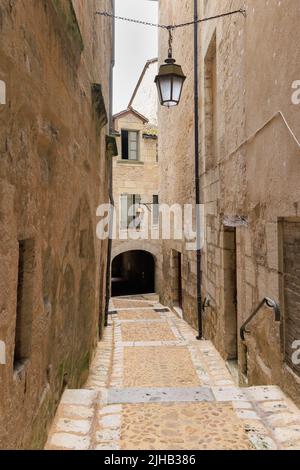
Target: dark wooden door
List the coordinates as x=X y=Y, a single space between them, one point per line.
x=291 y=279
x=230 y=293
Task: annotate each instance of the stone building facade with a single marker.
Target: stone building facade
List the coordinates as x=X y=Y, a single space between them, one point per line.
x=136 y=182
x=249 y=159
x=139 y=179
x=55 y=64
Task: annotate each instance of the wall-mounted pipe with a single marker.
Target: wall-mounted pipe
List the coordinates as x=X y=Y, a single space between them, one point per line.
x=197 y=175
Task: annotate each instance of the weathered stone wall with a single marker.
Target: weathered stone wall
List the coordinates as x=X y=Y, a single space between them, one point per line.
x=54 y=54
x=250 y=169
x=176 y=155
x=141 y=177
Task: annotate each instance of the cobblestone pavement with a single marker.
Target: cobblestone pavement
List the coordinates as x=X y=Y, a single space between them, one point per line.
x=153 y=386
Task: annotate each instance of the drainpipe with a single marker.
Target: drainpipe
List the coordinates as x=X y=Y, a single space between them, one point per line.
x=111 y=198
x=197 y=175
x=111 y=221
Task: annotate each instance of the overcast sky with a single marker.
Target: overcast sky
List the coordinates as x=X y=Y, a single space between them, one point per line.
x=135 y=44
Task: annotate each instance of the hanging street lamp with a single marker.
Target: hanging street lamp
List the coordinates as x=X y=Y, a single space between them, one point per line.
x=170 y=79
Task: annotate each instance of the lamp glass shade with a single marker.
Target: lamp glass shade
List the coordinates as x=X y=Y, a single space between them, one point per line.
x=165 y=86
x=169 y=83
x=177 y=88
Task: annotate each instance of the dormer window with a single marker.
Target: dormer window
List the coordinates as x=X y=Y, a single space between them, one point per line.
x=130 y=145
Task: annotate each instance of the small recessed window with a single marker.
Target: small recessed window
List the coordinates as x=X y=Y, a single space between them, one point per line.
x=2 y=92
x=24 y=302
x=130 y=145
x=155 y=210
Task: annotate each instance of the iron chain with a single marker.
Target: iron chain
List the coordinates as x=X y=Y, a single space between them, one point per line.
x=131 y=20
x=171 y=27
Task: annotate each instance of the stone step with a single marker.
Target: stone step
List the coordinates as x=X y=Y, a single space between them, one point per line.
x=87 y=397
x=159 y=395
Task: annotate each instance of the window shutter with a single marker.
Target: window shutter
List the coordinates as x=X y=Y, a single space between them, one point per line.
x=133 y=145
x=124 y=211
x=155 y=210
x=137 y=200
x=124 y=138
x=130 y=209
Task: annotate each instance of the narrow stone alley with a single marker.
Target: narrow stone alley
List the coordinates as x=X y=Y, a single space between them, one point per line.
x=153 y=386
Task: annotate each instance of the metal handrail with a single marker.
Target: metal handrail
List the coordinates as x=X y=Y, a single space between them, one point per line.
x=270 y=303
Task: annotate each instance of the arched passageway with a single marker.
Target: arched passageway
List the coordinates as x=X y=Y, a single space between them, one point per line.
x=133 y=272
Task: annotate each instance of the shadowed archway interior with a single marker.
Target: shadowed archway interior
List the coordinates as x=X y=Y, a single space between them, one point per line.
x=133 y=272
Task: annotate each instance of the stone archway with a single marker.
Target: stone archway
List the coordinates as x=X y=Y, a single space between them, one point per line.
x=138 y=245
x=133 y=272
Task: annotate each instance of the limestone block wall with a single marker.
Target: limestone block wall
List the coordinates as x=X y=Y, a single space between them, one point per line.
x=176 y=155
x=249 y=139
x=254 y=178
x=54 y=55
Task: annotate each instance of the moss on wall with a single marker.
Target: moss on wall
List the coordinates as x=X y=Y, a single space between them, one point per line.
x=66 y=12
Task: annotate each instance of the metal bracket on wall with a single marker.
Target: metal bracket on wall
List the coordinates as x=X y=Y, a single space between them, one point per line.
x=148 y=205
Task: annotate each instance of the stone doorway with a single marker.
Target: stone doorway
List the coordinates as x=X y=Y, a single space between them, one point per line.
x=230 y=296
x=177 y=279
x=133 y=272
x=290 y=282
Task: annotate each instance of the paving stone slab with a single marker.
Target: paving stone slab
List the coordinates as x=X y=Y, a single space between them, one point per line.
x=76 y=411
x=261 y=442
x=288 y=434
x=110 y=410
x=282 y=419
x=247 y=414
x=147 y=321
x=69 y=442
x=108 y=435
x=264 y=393
x=157 y=344
x=77 y=426
x=79 y=397
x=107 y=446
x=111 y=421
x=273 y=406
x=160 y=395
x=229 y=394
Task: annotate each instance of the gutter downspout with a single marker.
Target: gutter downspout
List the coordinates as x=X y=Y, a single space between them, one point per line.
x=111 y=198
x=109 y=254
x=197 y=175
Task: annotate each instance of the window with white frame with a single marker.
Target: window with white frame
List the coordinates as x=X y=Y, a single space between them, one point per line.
x=130 y=145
